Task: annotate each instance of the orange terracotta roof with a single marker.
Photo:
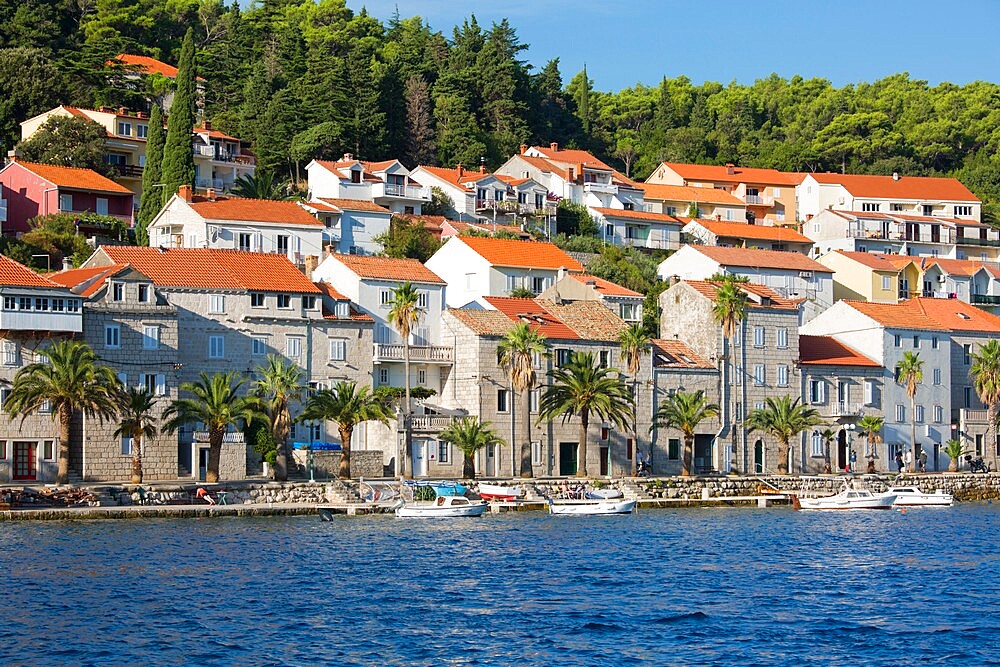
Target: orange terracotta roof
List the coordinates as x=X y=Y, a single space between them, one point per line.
x=389 y=268
x=957 y=315
x=742 y=230
x=675 y=354
x=535 y=314
x=355 y=205
x=377 y=166
x=202 y=268
x=759 y=295
x=590 y=320
x=545 y=165
x=329 y=290
x=255 y=210
x=572 y=156
x=521 y=254
x=460 y=227
x=907 y=187
x=604 y=286
x=904 y=315
x=684 y=193
x=873 y=260
x=827 y=351
x=661 y=218
x=451 y=175
x=148 y=64
x=92 y=278
x=74 y=178
x=215 y=134
x=15 y=274
x=762 y=259
x=483 y=322
x=720 y=174
x=342 y=167
x=320 y=206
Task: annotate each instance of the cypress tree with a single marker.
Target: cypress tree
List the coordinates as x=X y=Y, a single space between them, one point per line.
x=152 y=197
x=178 y=158
x=583 y=104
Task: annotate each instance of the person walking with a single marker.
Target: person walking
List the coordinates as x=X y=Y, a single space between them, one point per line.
x=854 y=461
x=899 y=461
x=923 y=461
x=908 y=460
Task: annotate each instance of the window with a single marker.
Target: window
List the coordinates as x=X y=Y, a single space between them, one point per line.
x=609 y=230
x=9 y=303
x=143 y=293
x=338 y=349
x=629 y=312
x=216 y=347
x=124 y=129
x=967 y=354
x=48 y=450
x=258 y=346
x=918 y=413
x=537 y=284
x=282 y=244
x=782 y=375
x=817 y=444
x=112 y=336
x=781 y=334
x=886 y=283
x=937 y=376
x=150 y=337
x=126 y=446
x=536 y=453
x=45 y=407
x=869 y=392
x=24 y=303
x=309 y=302
x=533 y=400
x=738 y=373
x=142 y=131
x=444 y=451
x=962 y=210
x=256 y=300
x=216 y=303
x=916 y=342
x=422 y=377
x=938 y=414
x=817 y=391
x=117 y=292
x=758 y=336
x=759 y=373
x=604 y=357
x=383 y=376
x=897 y=341
x=65 y=202
x=738 y=335
x=511 y=283
x=967 y=397
x=156 y=383
x=900 y=413
x=284 y=301
x=563 y=356
x=243 y=242
x=293 y=347
x=385 y=297
x=101 y=206
x=502 y=400
x=470 y=279
x=674 y=449
x=870 y=207
x=422 y=299
x=738 y=412
x=935 y=343
x=9 y=351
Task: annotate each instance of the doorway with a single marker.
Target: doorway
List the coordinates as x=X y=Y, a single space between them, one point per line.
x=702 y=453
x=937 y=456
x=567 y=458
x=419 y=458
x=842 y=453
x=758 y=457
x=605 y=461
x=202 y=463
x=25 y=467
x=491 y=460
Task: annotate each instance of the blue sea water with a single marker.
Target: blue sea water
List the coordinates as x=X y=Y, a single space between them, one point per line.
x=681 y=587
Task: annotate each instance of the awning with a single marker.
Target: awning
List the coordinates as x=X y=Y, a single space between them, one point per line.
x=448 y=412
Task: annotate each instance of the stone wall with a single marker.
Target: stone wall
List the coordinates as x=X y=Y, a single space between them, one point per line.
x=365 y=463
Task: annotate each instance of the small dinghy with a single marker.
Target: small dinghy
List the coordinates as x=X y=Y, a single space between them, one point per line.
x=443 y=507
x=497 y=492
x=591 y=507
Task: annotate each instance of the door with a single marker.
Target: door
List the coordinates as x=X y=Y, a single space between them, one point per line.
x=842 y=452
x=605 y=461
x=491 y=460
x=419 y=458
x=567 y=458
x=202 y=463
x=937 y=456
x=758 y=457
x=702 y=452
x=24 y=461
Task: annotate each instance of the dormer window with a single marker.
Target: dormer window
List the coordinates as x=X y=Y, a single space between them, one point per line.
x=308 y=302
x=342 y=309
x=355 y=176
x=143 y=293
x=117 y=292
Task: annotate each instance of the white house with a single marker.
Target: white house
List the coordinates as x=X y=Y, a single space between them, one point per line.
x=908 y=195
x=387 y=183
x=638 y=229
x=351 y=226
x=255 y=225
x=476 y=267
x=478 y=196
x=790 y=274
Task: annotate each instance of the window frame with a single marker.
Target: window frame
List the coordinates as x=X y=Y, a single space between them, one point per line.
x=112 y=337
x=217 y=343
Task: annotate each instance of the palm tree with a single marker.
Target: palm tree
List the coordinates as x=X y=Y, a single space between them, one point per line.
x=405 y=314
x=71 y=380
x=261 y=185
x=280 y=383
x=783 y=418
x=580 y=388
x=517 y=350
x=634 y=343
x=828 y=436
x=684 y=410
x=729 y=310
x=985 y=373
x=348 y=405
x=216 y=403
x=953 y=450
x=470 y=435
x=871 y=426
x=910 y=372
x=136 y=421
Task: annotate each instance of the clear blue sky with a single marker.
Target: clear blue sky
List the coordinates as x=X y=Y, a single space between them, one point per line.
x=624 y=42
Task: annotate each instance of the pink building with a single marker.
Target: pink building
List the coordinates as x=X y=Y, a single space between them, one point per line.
x=28 y=189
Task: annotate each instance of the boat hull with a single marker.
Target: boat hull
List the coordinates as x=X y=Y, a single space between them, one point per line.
x=591 y=507
x=832 y=503
x=446 y=512
x=908 y=497
x=497 y=492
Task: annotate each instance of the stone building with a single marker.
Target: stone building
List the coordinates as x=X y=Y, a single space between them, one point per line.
x=623 y=302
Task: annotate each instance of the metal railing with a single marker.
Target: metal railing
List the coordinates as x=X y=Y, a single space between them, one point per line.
x=233 y=436
x=986 y=299
x=760 y=200
x=604 y=188
x=128 y=170
x=846 y=408
x=394 y=352
x=967 y=240
x=402 y=191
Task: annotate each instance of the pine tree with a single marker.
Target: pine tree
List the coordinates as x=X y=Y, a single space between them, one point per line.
x=152 y=197
x=419 y=131
x=178 y=159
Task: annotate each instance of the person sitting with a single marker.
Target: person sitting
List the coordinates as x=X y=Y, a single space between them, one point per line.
x=202 y=493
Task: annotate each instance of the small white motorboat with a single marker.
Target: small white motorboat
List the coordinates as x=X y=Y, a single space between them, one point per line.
x=911 y=496
x=443 y=507
x=604 y=494
x=497 y=492
x=849 y=499
x=591 y=507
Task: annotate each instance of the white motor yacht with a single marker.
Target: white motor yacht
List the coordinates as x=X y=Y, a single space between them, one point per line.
x=850 y=498
x=911 y=496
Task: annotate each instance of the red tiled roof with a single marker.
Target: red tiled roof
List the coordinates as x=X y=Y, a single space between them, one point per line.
x=827 y=351
x=377 y=166
x=355 y=205
x=604 y=286
x=74 y=178
x=389 y=268
x=486 y=227
x=587 y=320
x=904 y=315
x=742 y=230
x=590 y=320
x=545 y=165
x=202 y=268
x=873 y=260
x=255 y=210
x=758 y=258
x=14 y=274
x=330 y=291
x=662 y=218
x=684 y=193
x=215 y=134
x=337 y=167
x=534 y=313
x=756 y=294
x=675 y=354
x=962 y=267
x=720 y=174
x=571 y=156
x=148 y=64
x=93 y=276
x=483 y=322
x=521 y=254
x=451 y=175
x=907 y=187
x=957 y=315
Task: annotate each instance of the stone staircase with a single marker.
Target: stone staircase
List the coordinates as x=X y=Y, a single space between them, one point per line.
x=340 y=493
x=632 y=491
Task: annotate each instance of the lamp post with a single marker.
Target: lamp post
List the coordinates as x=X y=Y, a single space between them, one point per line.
x=850 y=427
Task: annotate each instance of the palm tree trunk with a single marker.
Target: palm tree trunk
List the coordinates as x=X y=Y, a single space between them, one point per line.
x=346 y=432
x=991 y=434
x=215 y=436
x=581 y=451
x=913 y=428
x=469 y=467
x=280 y=432
x=782 y=456
x=137 y=456
x=688 y=459
x=525 y=404
x=827 y=468
x=65 y=426
x=635 y=426
x=404 y=466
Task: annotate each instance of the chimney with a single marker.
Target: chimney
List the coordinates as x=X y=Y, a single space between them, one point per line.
x=67 y=264
x=13 y=155
x=561 y=273
x=122 y=111
x=184 y=192
x=460 y=170
x=312 y=261
x=210 y=194
x=482 y=169
x=895 y=175
x=730 y=168
x=330 y=249
x=673 y=280
x=554 y=146
x=524 y=148
x=348 y=157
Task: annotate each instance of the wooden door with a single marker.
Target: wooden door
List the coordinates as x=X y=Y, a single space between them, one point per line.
x=24 y=460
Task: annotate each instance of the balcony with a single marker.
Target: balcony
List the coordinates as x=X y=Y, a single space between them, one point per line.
x=233 y=436
x=201 y=150
x=985 y=300
x=214 y=183
x=967 y=240
x=498 y=205
x=128 y=170
x=974 y=416
x=759 y=200
x=411 y=192
x=433 y=354
x=601 y=188
x=846 y=409
x=430 y=423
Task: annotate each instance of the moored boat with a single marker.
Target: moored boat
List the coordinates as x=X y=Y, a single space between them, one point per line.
x=850 y=498
x=498 y=492
x=443 y=507
x=591 y=507
x=911 y=496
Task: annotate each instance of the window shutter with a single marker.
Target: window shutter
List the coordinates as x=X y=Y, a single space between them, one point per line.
x=161 y=384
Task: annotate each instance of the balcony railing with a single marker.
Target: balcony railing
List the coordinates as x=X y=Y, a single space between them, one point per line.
x=602 y=188
x=214 y=183
x=985 y=300
x=418 y=353
x=974 y=416
x=760 y=200
x=203 y=150
x=234 y=436
x=967 y=240
x=430 y=422
x=846 y=409
x=414 y=192
x=128 y=170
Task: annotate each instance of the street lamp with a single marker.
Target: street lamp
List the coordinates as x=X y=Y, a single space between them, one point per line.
x=850 y=427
